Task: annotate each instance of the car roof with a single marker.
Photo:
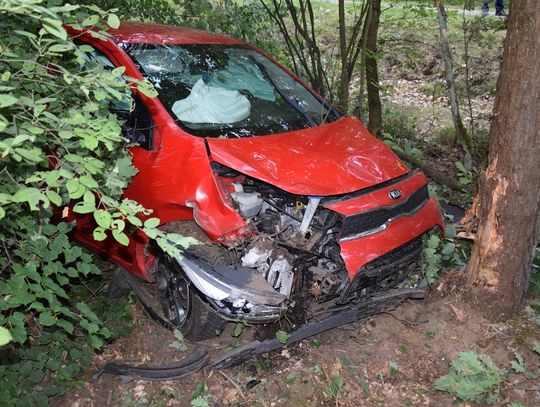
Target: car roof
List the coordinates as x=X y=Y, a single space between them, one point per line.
x=145 y=33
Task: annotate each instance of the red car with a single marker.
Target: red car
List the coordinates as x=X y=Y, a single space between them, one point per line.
x=295 y=205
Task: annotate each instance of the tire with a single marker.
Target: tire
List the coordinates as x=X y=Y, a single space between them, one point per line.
x=201 y=322
x=182 y=305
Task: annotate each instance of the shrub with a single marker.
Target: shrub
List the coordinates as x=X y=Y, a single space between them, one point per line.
x=58 y=144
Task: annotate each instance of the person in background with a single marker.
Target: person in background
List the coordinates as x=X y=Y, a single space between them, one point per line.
x=499 y=8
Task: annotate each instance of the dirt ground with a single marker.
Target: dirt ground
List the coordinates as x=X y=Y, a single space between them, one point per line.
x=391 y=359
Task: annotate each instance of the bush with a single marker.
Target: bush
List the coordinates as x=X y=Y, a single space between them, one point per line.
x=59 y=144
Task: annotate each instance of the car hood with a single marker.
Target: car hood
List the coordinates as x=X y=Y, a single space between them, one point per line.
x=335 y=158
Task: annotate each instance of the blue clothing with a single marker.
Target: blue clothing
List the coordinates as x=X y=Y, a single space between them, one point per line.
x=499 y=7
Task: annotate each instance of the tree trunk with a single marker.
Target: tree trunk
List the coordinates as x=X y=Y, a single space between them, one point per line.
x=363 y=45
x=509 y=194
x=372 y=71
x=461 y=133
x=343 y=93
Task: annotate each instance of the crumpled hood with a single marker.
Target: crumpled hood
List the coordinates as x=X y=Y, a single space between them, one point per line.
x=335 y=158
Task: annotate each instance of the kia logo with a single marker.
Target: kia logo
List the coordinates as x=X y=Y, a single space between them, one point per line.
x=395 y=194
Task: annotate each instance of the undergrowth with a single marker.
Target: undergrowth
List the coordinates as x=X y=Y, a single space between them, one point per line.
x=472 y=377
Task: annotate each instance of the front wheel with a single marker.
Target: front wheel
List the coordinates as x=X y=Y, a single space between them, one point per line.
x=183 y=307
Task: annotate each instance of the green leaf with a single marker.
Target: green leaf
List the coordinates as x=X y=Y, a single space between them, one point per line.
x=61 y=47
x=90 y=141
x=113 y=21
x=47 y=319
x=147 y=89
x=151 y=233
x=518 y=364
x=472 y=377
x=239 y=327
x=75 y=188
x=96 y=341
x=30 y=195
x=7 y=100
x=89 y=198
x=282 y=336
x=99 y=234
x=536 y=347
x=88 y=181
x=118 y=225
x=120 y=237
x=5 y=336
x=54 y=27
x=36 y=376
x=92 y=20
x=54 y=197
x=83 y=207
x=87 y=312
x=134 y=221
x=103 y=218
x=335 y=386
x=200 y=401
x=151 y=223
x=68 y=326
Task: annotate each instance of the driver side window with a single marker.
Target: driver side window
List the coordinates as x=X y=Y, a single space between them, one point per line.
x=138 y=126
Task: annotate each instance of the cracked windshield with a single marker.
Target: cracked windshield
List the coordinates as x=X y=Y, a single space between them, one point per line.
x=223 y=91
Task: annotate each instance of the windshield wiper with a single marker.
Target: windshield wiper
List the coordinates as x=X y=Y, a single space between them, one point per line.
x=290 y=101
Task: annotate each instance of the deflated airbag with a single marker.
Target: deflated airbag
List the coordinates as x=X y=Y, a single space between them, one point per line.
x=208 y=104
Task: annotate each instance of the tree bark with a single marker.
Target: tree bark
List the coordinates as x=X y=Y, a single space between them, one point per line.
x=344 y=81
x=372 y=71
x=509 y=194
x=461 y=133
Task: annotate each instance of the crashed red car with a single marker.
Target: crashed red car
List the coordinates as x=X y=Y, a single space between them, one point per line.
x=295 y=204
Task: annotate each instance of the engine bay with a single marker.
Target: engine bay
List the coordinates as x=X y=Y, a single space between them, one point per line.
x=294 y=238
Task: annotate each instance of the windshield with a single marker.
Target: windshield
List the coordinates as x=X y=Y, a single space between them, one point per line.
x=228 y=91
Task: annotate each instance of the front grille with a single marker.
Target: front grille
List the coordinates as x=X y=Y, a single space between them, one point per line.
x=365 y=223
x=384 y=272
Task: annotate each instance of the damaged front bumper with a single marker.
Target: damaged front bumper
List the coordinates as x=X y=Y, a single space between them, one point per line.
x=235 y=291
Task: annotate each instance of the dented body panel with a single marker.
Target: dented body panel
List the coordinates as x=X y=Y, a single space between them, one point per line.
x=332 y=159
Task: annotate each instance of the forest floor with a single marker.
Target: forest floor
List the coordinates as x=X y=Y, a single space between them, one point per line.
x=391 y=359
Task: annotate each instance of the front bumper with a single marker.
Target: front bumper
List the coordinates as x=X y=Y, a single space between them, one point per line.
x=357 y=253
x=407 y=219
x=235 y=291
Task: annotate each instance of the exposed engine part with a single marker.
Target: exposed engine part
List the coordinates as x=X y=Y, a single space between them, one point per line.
x=274 y=264
x=249 y=203
x=280 y=274
x=308 y=214
x=328 y=279
x=257 y=257
x=291 y=234
x=270 y=222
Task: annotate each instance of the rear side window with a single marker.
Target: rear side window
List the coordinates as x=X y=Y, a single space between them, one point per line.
x=138 y=124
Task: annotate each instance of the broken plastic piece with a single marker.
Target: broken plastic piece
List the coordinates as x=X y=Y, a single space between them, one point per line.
x=190 y=364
